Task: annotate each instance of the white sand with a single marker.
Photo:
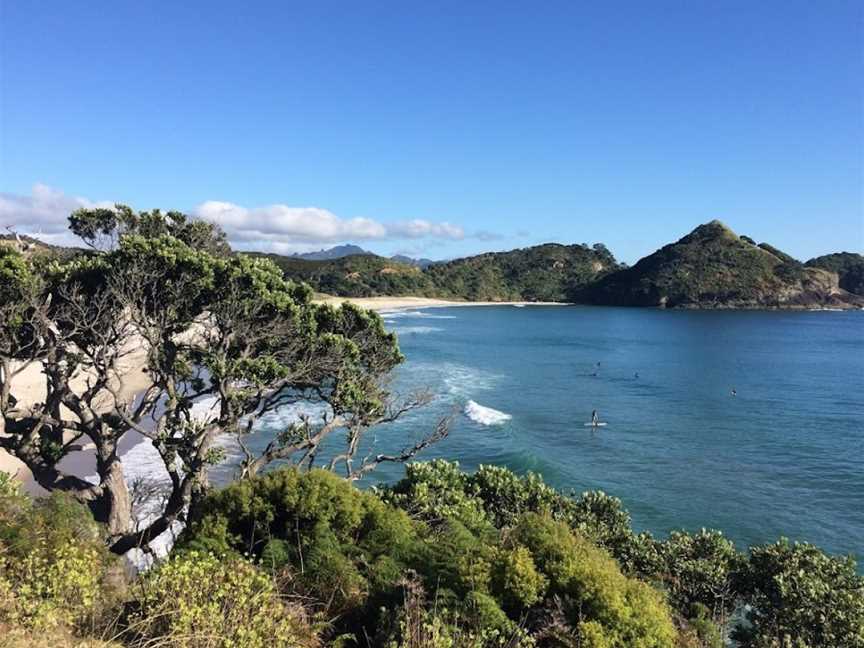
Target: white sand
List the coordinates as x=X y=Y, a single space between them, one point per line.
x=29 y=388
x=395 y=303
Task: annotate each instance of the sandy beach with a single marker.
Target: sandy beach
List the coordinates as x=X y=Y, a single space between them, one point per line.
x=29 y=388
x=398 y=303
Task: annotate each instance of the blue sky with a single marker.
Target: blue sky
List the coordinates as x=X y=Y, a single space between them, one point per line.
x=441 y=129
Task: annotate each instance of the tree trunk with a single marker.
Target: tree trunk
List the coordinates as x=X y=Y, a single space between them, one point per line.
x=115 y=498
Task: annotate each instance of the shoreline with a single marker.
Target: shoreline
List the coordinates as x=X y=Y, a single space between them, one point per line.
x=29 y=389
x=401 y=303
x=387 y=303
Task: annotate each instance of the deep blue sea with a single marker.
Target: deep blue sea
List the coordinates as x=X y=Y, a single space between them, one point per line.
x=785 y=456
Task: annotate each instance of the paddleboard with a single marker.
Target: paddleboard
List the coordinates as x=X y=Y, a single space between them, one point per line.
x=595 y=424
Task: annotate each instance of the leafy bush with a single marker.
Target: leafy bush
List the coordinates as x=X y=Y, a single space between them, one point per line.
x=198 y=600
x=798 y=595
x=334 y=538
x=698 y=569
x=53 y=564
x=497 y=497
x=605 y=607
x=349 y=551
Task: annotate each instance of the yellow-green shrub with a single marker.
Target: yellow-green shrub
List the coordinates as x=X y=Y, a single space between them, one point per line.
x=516 y=578
x=52 y=562
x=624 y=612
x=197 y=600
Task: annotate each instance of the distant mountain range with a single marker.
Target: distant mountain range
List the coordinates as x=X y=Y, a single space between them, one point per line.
x=341 y=251
x=712 y=267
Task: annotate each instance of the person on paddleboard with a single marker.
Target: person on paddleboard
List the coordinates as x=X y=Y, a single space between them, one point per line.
x=594 y=418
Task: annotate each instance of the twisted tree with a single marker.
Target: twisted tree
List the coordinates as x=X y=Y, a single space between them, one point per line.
x=204 y=325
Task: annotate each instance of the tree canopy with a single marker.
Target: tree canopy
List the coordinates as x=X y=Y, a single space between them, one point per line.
x=204 y=325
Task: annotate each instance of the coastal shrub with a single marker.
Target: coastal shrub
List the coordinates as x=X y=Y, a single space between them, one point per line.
x=418 y=622
x=438 y=490
x=798 y=595
x=496 y=496
x=339 y=543
x=698 y=569
x=53 y=564
x=198 y=600
x=517 y=580
x=348 y=552
x=605 y=606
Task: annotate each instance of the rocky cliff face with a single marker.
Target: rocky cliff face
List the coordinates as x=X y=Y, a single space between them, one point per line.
x=849 y=267
x=713 y=267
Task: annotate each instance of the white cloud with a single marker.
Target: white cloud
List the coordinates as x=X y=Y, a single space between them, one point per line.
x=278 y=227
x=292 y=225
x=287 y=224
x=45 y=211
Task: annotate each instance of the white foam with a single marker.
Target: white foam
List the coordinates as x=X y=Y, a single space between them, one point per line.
x=485 y=415
x=463 y=381
x=416 y=330
x=143 y=468
x=399 y=314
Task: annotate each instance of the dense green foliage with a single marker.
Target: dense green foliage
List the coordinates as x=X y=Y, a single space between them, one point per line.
x=798 y=596
x=848 y=266
x=541 y=273
x=496 y=585
x=793 y=591
x=441 y=559
x=547 y=272
x=359 y=275
x=59 y=584
x=712 y=267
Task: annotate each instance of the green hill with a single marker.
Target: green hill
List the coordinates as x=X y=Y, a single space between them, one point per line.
x=362 y=275
x=848 y=266
x=712 y=267
x=541 y=273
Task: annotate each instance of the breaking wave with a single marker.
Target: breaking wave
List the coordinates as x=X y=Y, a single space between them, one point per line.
x=485 y=415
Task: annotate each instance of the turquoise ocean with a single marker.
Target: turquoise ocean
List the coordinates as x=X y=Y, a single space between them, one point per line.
x=784 y=456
